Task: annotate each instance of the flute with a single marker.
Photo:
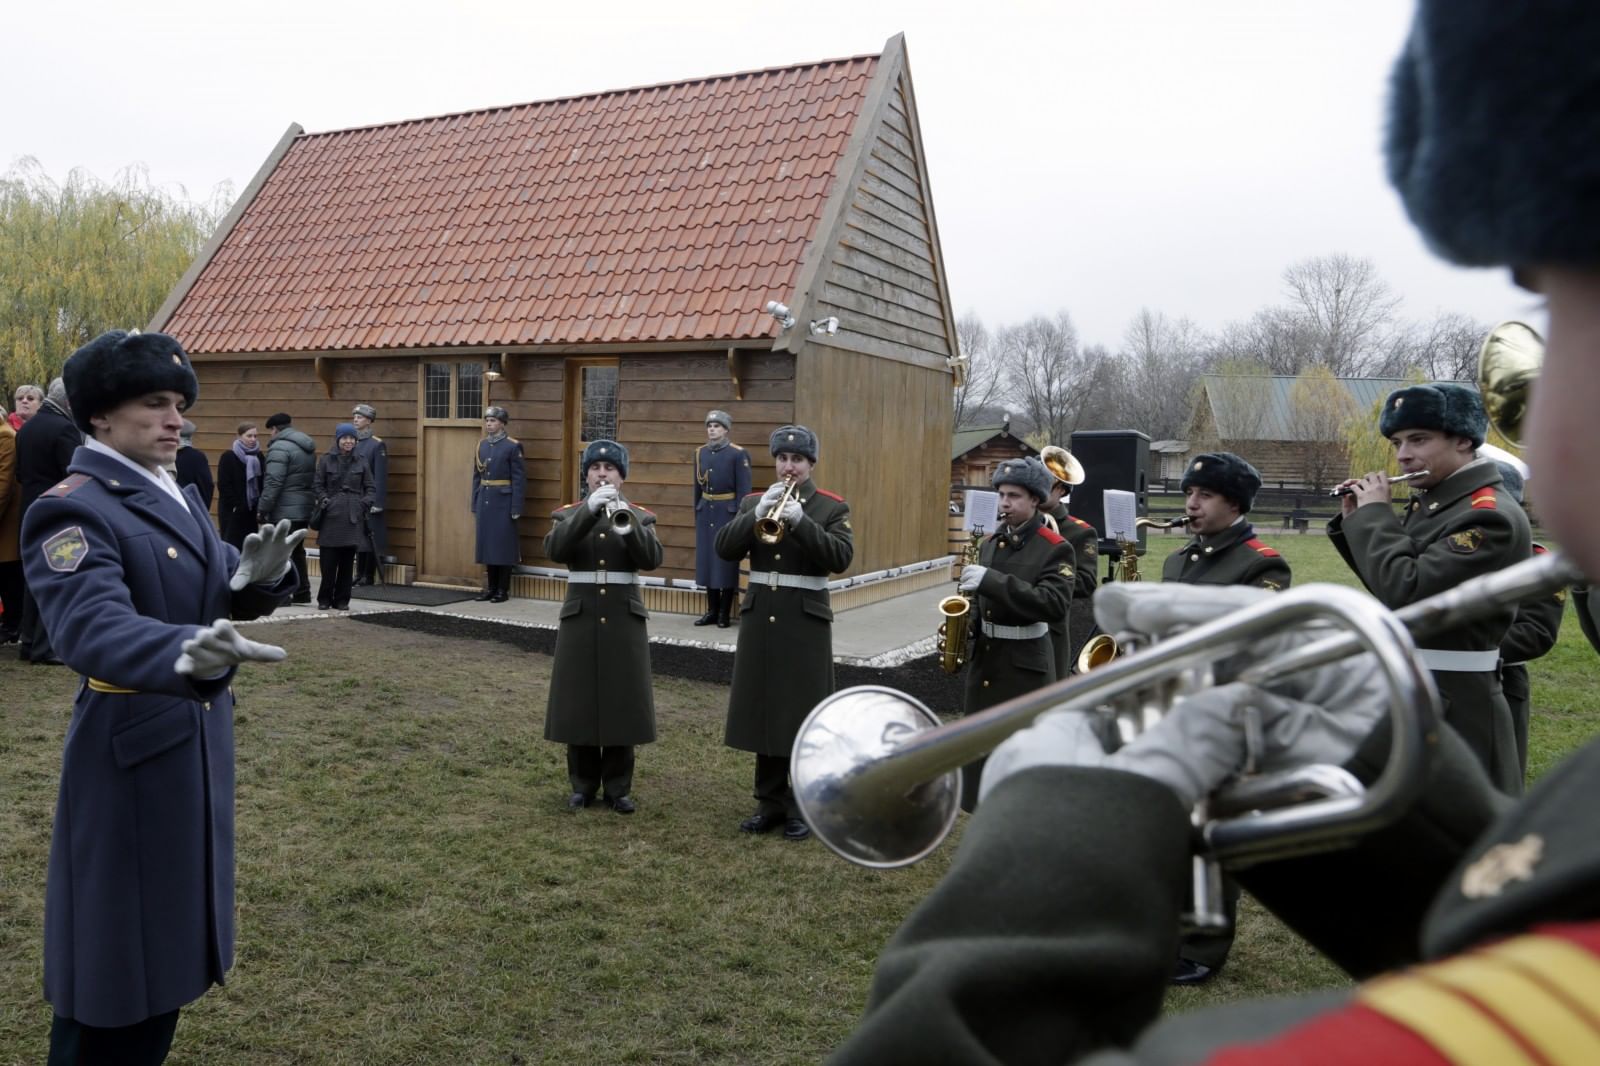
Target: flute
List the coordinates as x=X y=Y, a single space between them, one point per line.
x=1346 y=490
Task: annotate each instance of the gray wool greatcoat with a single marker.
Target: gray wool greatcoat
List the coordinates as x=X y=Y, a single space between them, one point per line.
x=600 y=686
x=138 y=912
x=376 y=453
x=345 y=482
x=784 y=663
x=498 y=483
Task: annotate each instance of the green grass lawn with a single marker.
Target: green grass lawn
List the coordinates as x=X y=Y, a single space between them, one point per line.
x=412 y=889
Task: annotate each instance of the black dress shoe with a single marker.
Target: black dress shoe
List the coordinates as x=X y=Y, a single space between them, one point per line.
x=48 y=660
x=706 y=619
x=500 y=597
x=795 y=829
x=761 y=822
x=485 y=596
x=301 y=598
x=578 y=801
x=324 y=606
x=622 y=805
x=1189 y=972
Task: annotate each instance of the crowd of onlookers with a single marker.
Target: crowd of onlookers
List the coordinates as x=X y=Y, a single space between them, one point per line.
x=256 y=481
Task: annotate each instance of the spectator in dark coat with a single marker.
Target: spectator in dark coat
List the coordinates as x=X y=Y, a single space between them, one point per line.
x=10 y=524
x=193 y=466
x=345 y=493
x=24 y=403
x=45 y=444
x=288 y=491
x=239 y=482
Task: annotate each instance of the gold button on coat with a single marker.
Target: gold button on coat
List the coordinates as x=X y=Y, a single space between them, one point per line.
x=772 y=618
x=172 y=553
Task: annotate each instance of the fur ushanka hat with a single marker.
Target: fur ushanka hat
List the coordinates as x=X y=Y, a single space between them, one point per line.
x=1445 y=407
x=120 y=365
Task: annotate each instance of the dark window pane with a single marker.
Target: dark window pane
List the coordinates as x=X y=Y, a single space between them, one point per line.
x=436 y=393
x=469 y=390
x=599 y=403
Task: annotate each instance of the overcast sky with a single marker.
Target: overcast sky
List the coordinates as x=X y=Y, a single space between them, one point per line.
x=1085 y=155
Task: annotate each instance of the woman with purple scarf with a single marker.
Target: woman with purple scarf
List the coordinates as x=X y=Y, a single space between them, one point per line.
x=239 y=477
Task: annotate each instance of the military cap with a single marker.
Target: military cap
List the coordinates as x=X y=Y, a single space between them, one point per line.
x=496 y=412
x=187 y=432
x=796 y=439
x=606 y=451
x=720 y=416
x=1226 y=474
x=1511 y=479
x=365 y=410
x=344 y=429
x=1445 y=407
x=120 y=365
x=1027 y=472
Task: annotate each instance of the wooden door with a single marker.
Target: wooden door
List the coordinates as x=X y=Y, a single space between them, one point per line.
x=591 y=413
x=453 y=396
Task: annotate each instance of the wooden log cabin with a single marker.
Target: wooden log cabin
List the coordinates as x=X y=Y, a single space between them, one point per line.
x=600 y=265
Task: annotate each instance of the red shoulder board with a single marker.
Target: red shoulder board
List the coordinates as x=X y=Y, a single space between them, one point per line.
x=750 y=494
x=1051 y=536
x=1540 y=549
x=1484 y=498
x=646 y=510
x=1080 y=522
x=1270 y=553
x=829 y=495
x=566 y=507
x=69 y=486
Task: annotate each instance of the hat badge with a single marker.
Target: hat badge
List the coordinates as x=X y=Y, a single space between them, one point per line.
x=790 y=437
x=1398 y=400
x=1199 y=465
x=175 y=360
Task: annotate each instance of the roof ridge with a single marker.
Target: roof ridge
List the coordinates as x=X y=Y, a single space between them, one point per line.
x=593 y=95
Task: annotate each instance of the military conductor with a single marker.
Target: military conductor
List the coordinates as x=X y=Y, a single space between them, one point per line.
x=600 y=702
x=784 y=663
x=136 y=589
x=498 y=483
x=721 y=480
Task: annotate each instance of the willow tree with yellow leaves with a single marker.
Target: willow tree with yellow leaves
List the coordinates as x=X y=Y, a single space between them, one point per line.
x=84 y=256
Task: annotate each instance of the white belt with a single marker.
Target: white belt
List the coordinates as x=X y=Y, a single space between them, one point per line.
x=1522 y=663
x=788 y=581
x=1459 y=662
x=601 y=577
x=1027 y=632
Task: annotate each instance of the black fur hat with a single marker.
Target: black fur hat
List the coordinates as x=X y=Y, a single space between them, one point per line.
x=120 y=365
x=796 y=439
x=1028 y=473
x=1445 y=407
x=609 y=451
x=1493 y=139
x=1226 y=474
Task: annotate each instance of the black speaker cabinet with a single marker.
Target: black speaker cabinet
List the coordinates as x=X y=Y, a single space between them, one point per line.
x=1112 y=459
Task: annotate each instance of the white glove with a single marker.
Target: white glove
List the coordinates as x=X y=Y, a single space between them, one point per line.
x=792 y=513
x=375 y=510
x=264 y=556
x=971 y=576
x=769 y=499
x=600 y=497
x=216 y=648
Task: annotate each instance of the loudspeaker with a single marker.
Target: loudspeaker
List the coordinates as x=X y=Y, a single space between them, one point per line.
x=1112 y=459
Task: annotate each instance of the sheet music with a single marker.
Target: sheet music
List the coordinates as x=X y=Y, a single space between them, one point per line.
x=1121 y=508
x=981 y=511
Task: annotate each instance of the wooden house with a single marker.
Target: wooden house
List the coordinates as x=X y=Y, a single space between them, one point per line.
x=601 y=266
x=977 y=450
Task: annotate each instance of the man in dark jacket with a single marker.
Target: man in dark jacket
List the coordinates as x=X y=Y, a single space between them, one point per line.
x=193 y=468
x=288 y=490
x=45 y=444
x=138 y=589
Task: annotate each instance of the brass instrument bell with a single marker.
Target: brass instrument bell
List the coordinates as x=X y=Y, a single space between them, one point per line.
x=1061 y=464
x=1508 y=363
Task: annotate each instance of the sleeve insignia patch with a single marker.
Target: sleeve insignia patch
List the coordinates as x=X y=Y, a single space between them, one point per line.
x=846 y=523
x=1066 y=571
x=1501 y=865
x=1465 y=542
x=65 y=551
x=1268 y=583
x=1090 y=550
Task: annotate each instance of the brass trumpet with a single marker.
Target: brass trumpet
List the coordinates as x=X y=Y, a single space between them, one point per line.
x=770 y=528
x=620 y=517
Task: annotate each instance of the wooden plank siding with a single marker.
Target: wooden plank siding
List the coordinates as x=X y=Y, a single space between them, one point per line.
x=231 y=393
x=884 y=426
x=975 y=468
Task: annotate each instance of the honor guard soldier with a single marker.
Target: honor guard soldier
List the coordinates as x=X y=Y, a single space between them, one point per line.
x=795 y=535
x=375 y=453
x=1535 y=628
x=1069 y=634
x=136 y=589
x=1460 y=523
x=721 y=480
x=600 y=700
x=1218 y=491
x=1023 y=583
x=498 y=484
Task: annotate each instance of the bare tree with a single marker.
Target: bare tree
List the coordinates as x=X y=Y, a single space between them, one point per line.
x=982 y=382
x=1445 y=349
x=1347 y=306
x=1153 y=372
x=1048 y=379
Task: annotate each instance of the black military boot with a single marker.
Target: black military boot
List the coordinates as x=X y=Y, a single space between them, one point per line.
x=724 y=609
x=502 y=588
x=711 y=608
x=491 y=583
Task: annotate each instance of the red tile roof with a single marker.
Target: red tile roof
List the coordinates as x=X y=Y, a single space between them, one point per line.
x=664 y=213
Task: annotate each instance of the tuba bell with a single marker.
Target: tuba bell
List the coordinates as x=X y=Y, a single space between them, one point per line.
x=1508 y=363
x=1061 y=464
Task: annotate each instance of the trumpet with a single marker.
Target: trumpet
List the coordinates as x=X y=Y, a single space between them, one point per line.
x=770 y=528
x=1345 y=490
x=876 y=775
x=620 y=516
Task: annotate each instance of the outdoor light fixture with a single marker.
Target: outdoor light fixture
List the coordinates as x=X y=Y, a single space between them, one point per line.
x=824 y=327
x=493 y=375
x=780 y=312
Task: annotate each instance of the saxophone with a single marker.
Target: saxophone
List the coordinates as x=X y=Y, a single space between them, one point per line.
x=955 y=630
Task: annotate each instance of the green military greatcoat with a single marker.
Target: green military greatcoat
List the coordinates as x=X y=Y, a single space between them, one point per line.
x=600 y=684
x=1534 y=631
x=1086 y=578
x=784 y=663
x=1462 y=528
x=1231 y=557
